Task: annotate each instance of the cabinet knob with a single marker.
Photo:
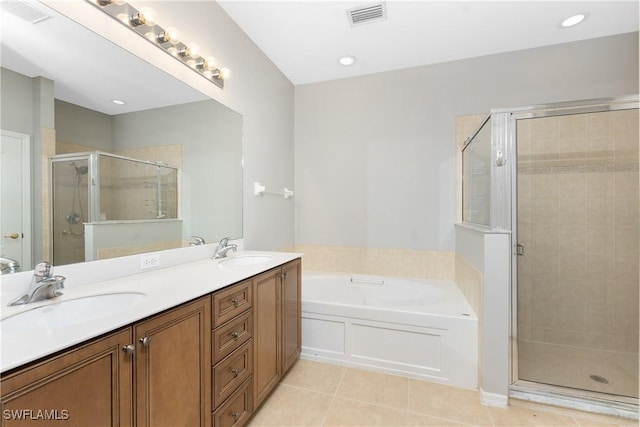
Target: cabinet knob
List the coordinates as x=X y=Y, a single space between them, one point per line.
x=235 y=335
x=128 y=349
x=235 y=416
x=235 y=371
x=145 y=341
x=235 y=301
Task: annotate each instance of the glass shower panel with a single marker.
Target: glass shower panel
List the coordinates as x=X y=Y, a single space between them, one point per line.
x=476 y=177
x=70 y=204
x=136 y=190
x=577 y=276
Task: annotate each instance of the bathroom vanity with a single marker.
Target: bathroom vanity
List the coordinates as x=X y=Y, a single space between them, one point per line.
x=209 y=361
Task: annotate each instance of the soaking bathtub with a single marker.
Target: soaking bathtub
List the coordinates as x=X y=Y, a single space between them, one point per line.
x=421 y=329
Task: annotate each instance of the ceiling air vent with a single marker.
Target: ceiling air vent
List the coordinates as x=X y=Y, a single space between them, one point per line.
x=27 y=11
x=367 y=14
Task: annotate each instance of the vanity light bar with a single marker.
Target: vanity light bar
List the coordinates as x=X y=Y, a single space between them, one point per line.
x=144 y=24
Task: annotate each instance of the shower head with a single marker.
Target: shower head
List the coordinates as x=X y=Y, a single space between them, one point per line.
x=80 y=170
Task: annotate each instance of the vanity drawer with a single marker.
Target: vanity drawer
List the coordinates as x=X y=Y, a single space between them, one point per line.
x=230 y=336
x=231 y=372
x=230 y=302
x=237 y=410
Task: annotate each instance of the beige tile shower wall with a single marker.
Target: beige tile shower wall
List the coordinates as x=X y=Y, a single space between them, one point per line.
x=63 y=147
x=469 y=279
x=578 y=219
x=409 y=263
x=133 y=198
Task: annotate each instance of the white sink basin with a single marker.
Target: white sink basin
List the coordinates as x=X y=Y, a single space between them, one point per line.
x=244 y=260
x=73 y=311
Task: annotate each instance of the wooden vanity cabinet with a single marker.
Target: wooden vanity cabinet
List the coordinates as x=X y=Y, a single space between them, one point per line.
x=291 y=313
x=277 y=332
x=267 y=369
x=210 y=361
x=173 y=367
x=90 y=385
x=232 y=355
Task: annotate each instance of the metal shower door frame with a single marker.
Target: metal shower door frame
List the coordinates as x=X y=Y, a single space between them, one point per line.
x=564 y=396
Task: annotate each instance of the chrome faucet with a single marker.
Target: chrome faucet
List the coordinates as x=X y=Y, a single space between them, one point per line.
x=223 y=248
x=197 y=241
x=43 y=285
x=8 y=265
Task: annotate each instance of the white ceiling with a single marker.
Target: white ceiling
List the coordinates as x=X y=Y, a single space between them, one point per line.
x=305 y=38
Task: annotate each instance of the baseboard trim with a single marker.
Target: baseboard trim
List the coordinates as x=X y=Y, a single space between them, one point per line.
x=493 y=399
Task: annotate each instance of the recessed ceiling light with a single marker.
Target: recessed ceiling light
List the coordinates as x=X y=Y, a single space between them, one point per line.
x=573 y=20
x=347 y=60
x=118 y=102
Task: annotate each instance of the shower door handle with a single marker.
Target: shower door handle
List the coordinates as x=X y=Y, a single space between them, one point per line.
x=13 y=236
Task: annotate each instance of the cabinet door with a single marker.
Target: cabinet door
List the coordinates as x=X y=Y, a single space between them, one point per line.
x=266 y=316
x=87 y=386
x=291 y=313
x=173 y=367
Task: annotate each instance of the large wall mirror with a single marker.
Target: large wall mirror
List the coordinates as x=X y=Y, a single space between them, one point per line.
x=107 y=180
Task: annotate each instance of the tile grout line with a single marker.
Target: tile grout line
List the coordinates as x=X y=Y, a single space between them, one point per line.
x=333 y=397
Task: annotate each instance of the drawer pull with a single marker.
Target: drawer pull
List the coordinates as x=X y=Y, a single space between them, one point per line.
x=235 y=416
x=235 y=335
x=235 y=371
x=235 y=301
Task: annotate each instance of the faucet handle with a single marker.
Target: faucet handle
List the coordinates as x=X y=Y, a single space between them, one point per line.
x=197 y=241
x=43 y=269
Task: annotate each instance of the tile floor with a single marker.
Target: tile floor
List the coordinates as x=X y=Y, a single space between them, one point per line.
x=319 y=394
x=571 y=367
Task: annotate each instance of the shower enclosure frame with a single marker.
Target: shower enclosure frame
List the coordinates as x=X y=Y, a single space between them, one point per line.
x=504 y=136
x=93 y=215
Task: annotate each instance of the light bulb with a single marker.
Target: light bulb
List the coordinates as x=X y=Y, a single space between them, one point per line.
x=145 y=16
x=225 y=73
x=191 y=50
x=210 y=62
x=149 y=16
x=170 y=35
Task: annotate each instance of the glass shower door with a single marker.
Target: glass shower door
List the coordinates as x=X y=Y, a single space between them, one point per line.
x=577 y=269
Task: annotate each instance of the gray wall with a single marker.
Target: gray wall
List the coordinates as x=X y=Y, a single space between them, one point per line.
x=264 y=96
x=375 y=155
x=211 y=139
x=82 y=126
x=27 y=106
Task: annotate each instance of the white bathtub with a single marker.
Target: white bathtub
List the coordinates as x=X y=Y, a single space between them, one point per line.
x=422 y=329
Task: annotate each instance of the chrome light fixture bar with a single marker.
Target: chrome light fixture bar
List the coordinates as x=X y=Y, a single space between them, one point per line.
x=143 y=22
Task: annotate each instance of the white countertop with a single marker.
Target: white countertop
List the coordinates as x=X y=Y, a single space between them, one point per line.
x=164 y=288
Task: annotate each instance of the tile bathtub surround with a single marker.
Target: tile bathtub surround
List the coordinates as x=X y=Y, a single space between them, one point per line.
x=319 y=394
x=410 y=263
x=470 y=282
